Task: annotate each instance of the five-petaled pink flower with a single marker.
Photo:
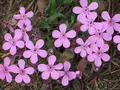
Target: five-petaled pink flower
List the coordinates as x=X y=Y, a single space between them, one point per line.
x=22 y=72
x=23 y=17
x=63 y=36
x=50 y=69
x=98 y=54
x=85 y=9
x=84 y=48
x=66 y=74
x=112 y=23
x=89 y=23
x=35 y=51
x=116 y=39
x=100 y=35
x=24 y=28
x=6 y=69
x=13 y=42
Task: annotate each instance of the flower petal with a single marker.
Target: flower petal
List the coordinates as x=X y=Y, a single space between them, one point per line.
x=34 y=58
x=84 y=28
x=77 y=50
x=29 y=70
x=6 y=46
x=83 y=53
x=83 y=3
x=54 y=75
x=20 y=44
x=63 y=28
x=67 y=65
x=17 y=16
x=22 y=10
x=91 y=57
x=8 y=77
x=104 y=48
x=25 y=37
x=7 y=37
x=17 y=34
x=105 y=57
x=45 y=75
x=71 y=75
x=29 y=44
x=42 y=53
x=98 y=62
x=116 y=39
x=79 y=41
x=26 y=79
x=118 y=47
x=29 y=14
x=100 y=42
x=94 y=47
x=13 y=50
x=92 y=16
x=51 y=60
x=91 y=30
x=18 y=78
x=82 y=19
x=107 y=36
x=39 y=43
x=116 y=18
x=27 y=54
x=58 y=43
x=93 y=6
x=7 y=61
x=105 y=15
x=77 y=10
x=42 y=67
x=21 y=63
x=110 y=30
x=66 y=43
x=71 y=34
x=56 y=34
x=65 y=80
x=58 y=66
x=116 y=26
x=14 y=69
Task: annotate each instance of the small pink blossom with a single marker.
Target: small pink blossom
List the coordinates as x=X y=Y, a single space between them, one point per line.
x=84 y=48
x=63 y=36
x=13 y=42
x=5 y=70
x=100 y=35
x=112 y=23
x=85 y=9
x=116 y=39
x=50 y=70
x=89 y=23
x=98 y=54
x=79 y=74
x=23 y=17
x=66 y=74
x=22 y=72
x=34 y=51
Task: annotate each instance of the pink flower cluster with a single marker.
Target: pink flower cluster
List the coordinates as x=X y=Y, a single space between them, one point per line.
x=94 y=48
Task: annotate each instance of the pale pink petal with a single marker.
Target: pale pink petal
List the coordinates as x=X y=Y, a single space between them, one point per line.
x=29 y=44
x=45 y=75
x=71 y=75
x=42 y=53
x=82 y=19
x=91 y=30
x=27 y=54
x=71 y=34
x=25 y=37
x=42 y=67
x=21 y=63
x=99 y=26
x=28 y=27
x=67 y=65
x=58 y=66
x=18 y=78
x=39 y=43
x=116 y=26
x=27 y=21
x=8 y=77
x=77 y=50
x=18 y=34
x=2 y=75
x=17 y=16
x=6 y=46
x=110 y=30
x=14 y=69
x=104 y=48
x=105 y=57
x=118 y=47
x=116 y=18
x=61 y=73
x=116 y=39
x=51 y=60
x=93 y=6
x=29 y=14
x=84 y=28
x=34 y=58
x=29 y=70
x=83 y=3
x=7 y=61
x=100 y=42
x=79 y=41
x=89 y=50
x=91 y=57
x=7 y=37
x=20 y=44
x=83 y=53
x=54 y=75
x=58 y=43
x=56 y=34
x=66 y=43
x=26 y=79
x=107 y=36
x=13 y=50
x=105 y=15
x=77 y=10
x=22 y=10
x=94 y=47
x=98 y=62
x=63 y=28
x=65 y=80
x=92 y=16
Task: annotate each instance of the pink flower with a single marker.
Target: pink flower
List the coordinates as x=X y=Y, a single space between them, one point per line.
x=116 y=39
x=63 y=36
x=85 y=9
x=79 y=74
x=22 y=72
x=98 y=54
x=50 y=69
x=100 y=35
x=23 y=17
x=13 y=42
x=112 y=23
x=84 y=48
x=66 y=74
x=88 y=23
x=5 y=70
x=24 y=29
x=35 y=51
